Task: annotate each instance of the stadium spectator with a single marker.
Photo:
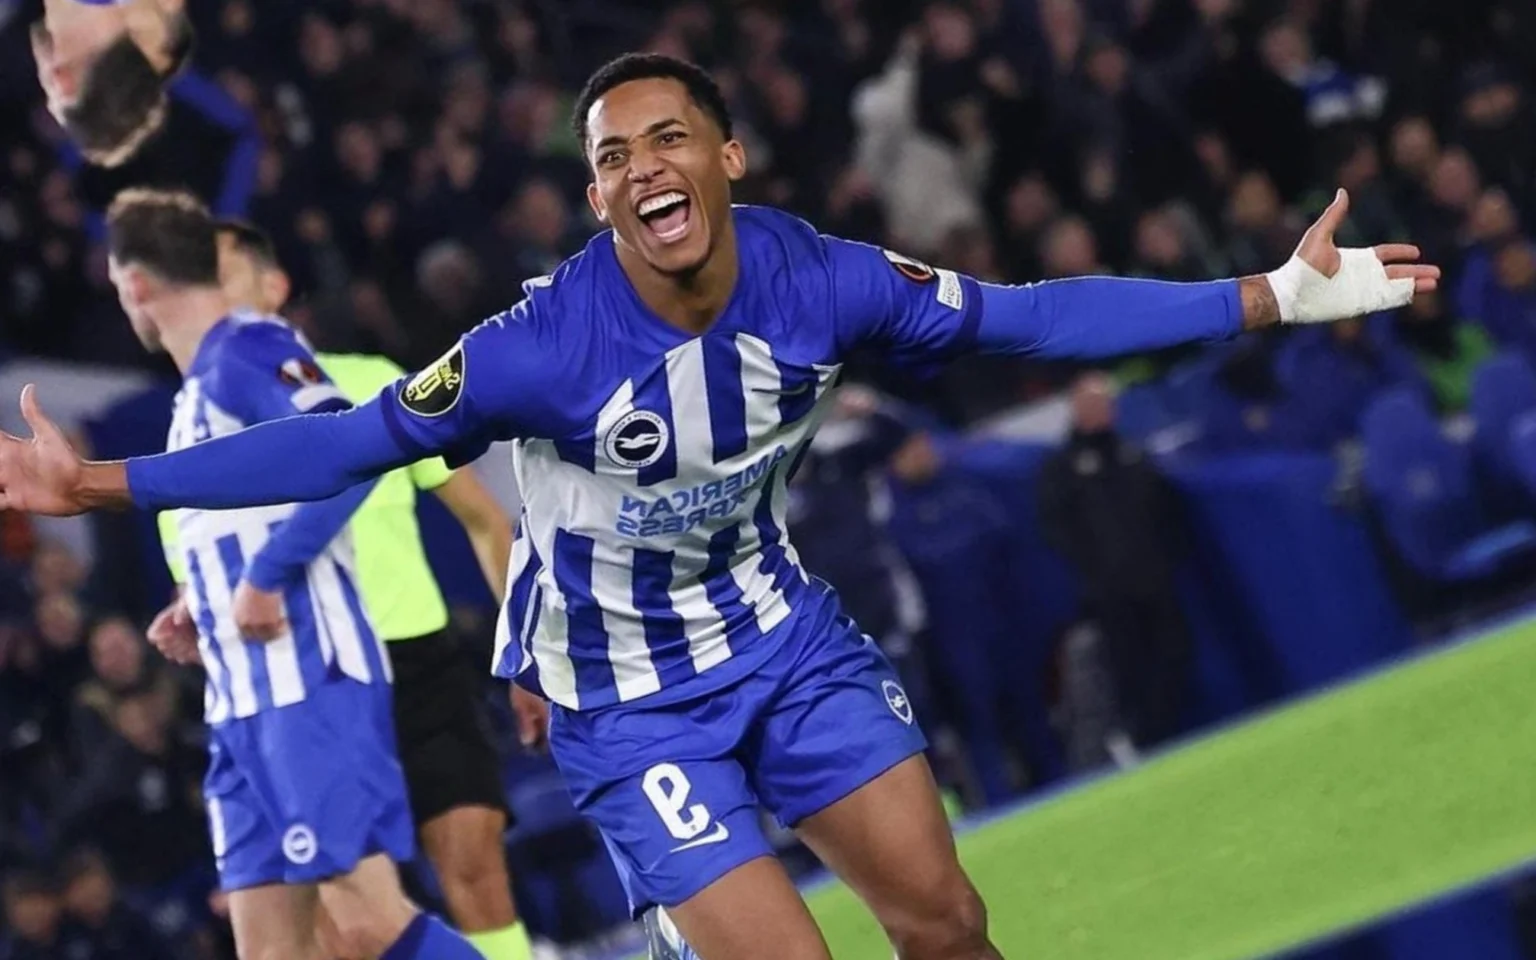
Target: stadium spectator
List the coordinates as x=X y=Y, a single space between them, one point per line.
x=139 y=798
x=1334 y=374
x=33 y=916
x=60 y=625
x=1112 y=514
x=1498 y=288
x=1258 y=225
x=1446 y=348
x=1497 y=124
x=100 y=926
x=1031 y=206
x=32 y=731
x=1355 y=164
x=1332 y=94
x=121 y=664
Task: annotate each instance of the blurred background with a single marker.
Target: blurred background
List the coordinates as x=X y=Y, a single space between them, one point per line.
x=1071 y=567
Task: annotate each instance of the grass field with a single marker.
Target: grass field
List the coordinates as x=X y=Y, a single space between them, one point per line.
x=1343 y=808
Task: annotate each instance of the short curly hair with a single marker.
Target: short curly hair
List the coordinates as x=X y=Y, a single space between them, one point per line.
x=250 y=239
x=651 y=66
x=170 y=233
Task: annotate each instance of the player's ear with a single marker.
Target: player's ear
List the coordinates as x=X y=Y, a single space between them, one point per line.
x=735 y=157
x=133 y=285
x=140 y=284
x=595 y=201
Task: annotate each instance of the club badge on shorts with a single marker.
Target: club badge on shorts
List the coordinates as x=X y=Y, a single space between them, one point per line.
x=299 y=844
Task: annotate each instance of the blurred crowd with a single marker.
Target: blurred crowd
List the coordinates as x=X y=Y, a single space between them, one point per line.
x=414 y=162
x=101 y=758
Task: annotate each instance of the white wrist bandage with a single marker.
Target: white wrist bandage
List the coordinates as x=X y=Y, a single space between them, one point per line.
x=1360 y=287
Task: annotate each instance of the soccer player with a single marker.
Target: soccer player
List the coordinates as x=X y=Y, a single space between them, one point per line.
x=104 y=66
x=660 y=387
x=306 y=800
x=451 y=767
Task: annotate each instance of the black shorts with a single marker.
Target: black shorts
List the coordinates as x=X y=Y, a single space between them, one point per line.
x=440 y=723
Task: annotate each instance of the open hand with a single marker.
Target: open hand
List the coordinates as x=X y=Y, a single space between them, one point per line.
x=258 y=613
x=173 y=634
x=40 y=475
x=1318 y=250
x=1322 y=283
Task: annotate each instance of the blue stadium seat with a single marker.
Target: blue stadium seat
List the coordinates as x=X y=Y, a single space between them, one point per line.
x=1142 y=410
x=1185 y=384
x=1503 y=388
x=1329 y=384
x=1231 y=424
x=1422 y=485
x=1522 y=451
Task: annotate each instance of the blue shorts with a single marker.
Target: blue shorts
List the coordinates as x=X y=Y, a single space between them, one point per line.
x=675 y=788
x=302 y=793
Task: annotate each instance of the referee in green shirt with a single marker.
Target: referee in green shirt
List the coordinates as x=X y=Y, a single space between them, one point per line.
x=451 y=768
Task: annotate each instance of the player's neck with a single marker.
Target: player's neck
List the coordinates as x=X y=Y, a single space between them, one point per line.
x=691 y=302
x=184 y=319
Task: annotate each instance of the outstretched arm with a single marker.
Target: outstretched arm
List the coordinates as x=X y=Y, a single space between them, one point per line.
x=308 y=457
x=295 y=459
x=1093 y=317
x=491 y=386
x=926 y=314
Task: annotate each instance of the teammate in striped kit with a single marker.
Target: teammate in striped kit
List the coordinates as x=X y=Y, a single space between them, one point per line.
x=452 y=770
x=304 y=790
x=661 y=386
x=104 y=66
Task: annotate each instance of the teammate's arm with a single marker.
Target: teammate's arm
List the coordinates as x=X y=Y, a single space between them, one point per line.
x=487 y=525
x=303 y=536
x=258 y=608
x=924 y=314
x=445 y=408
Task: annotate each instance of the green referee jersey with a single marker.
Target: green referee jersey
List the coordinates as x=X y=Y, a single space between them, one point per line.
x=396 y=582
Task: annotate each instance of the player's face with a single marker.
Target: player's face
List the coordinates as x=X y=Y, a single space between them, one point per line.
x=66 y=42
x=72 y=35
x=132 y=288
x=247 y=282
x=662 y=173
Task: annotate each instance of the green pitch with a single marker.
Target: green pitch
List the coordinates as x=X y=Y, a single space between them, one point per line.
x=1331 y=812
x=1334 y=811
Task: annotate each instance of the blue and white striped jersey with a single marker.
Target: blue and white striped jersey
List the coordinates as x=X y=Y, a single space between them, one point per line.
x=652 y=558
x=248 y=369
